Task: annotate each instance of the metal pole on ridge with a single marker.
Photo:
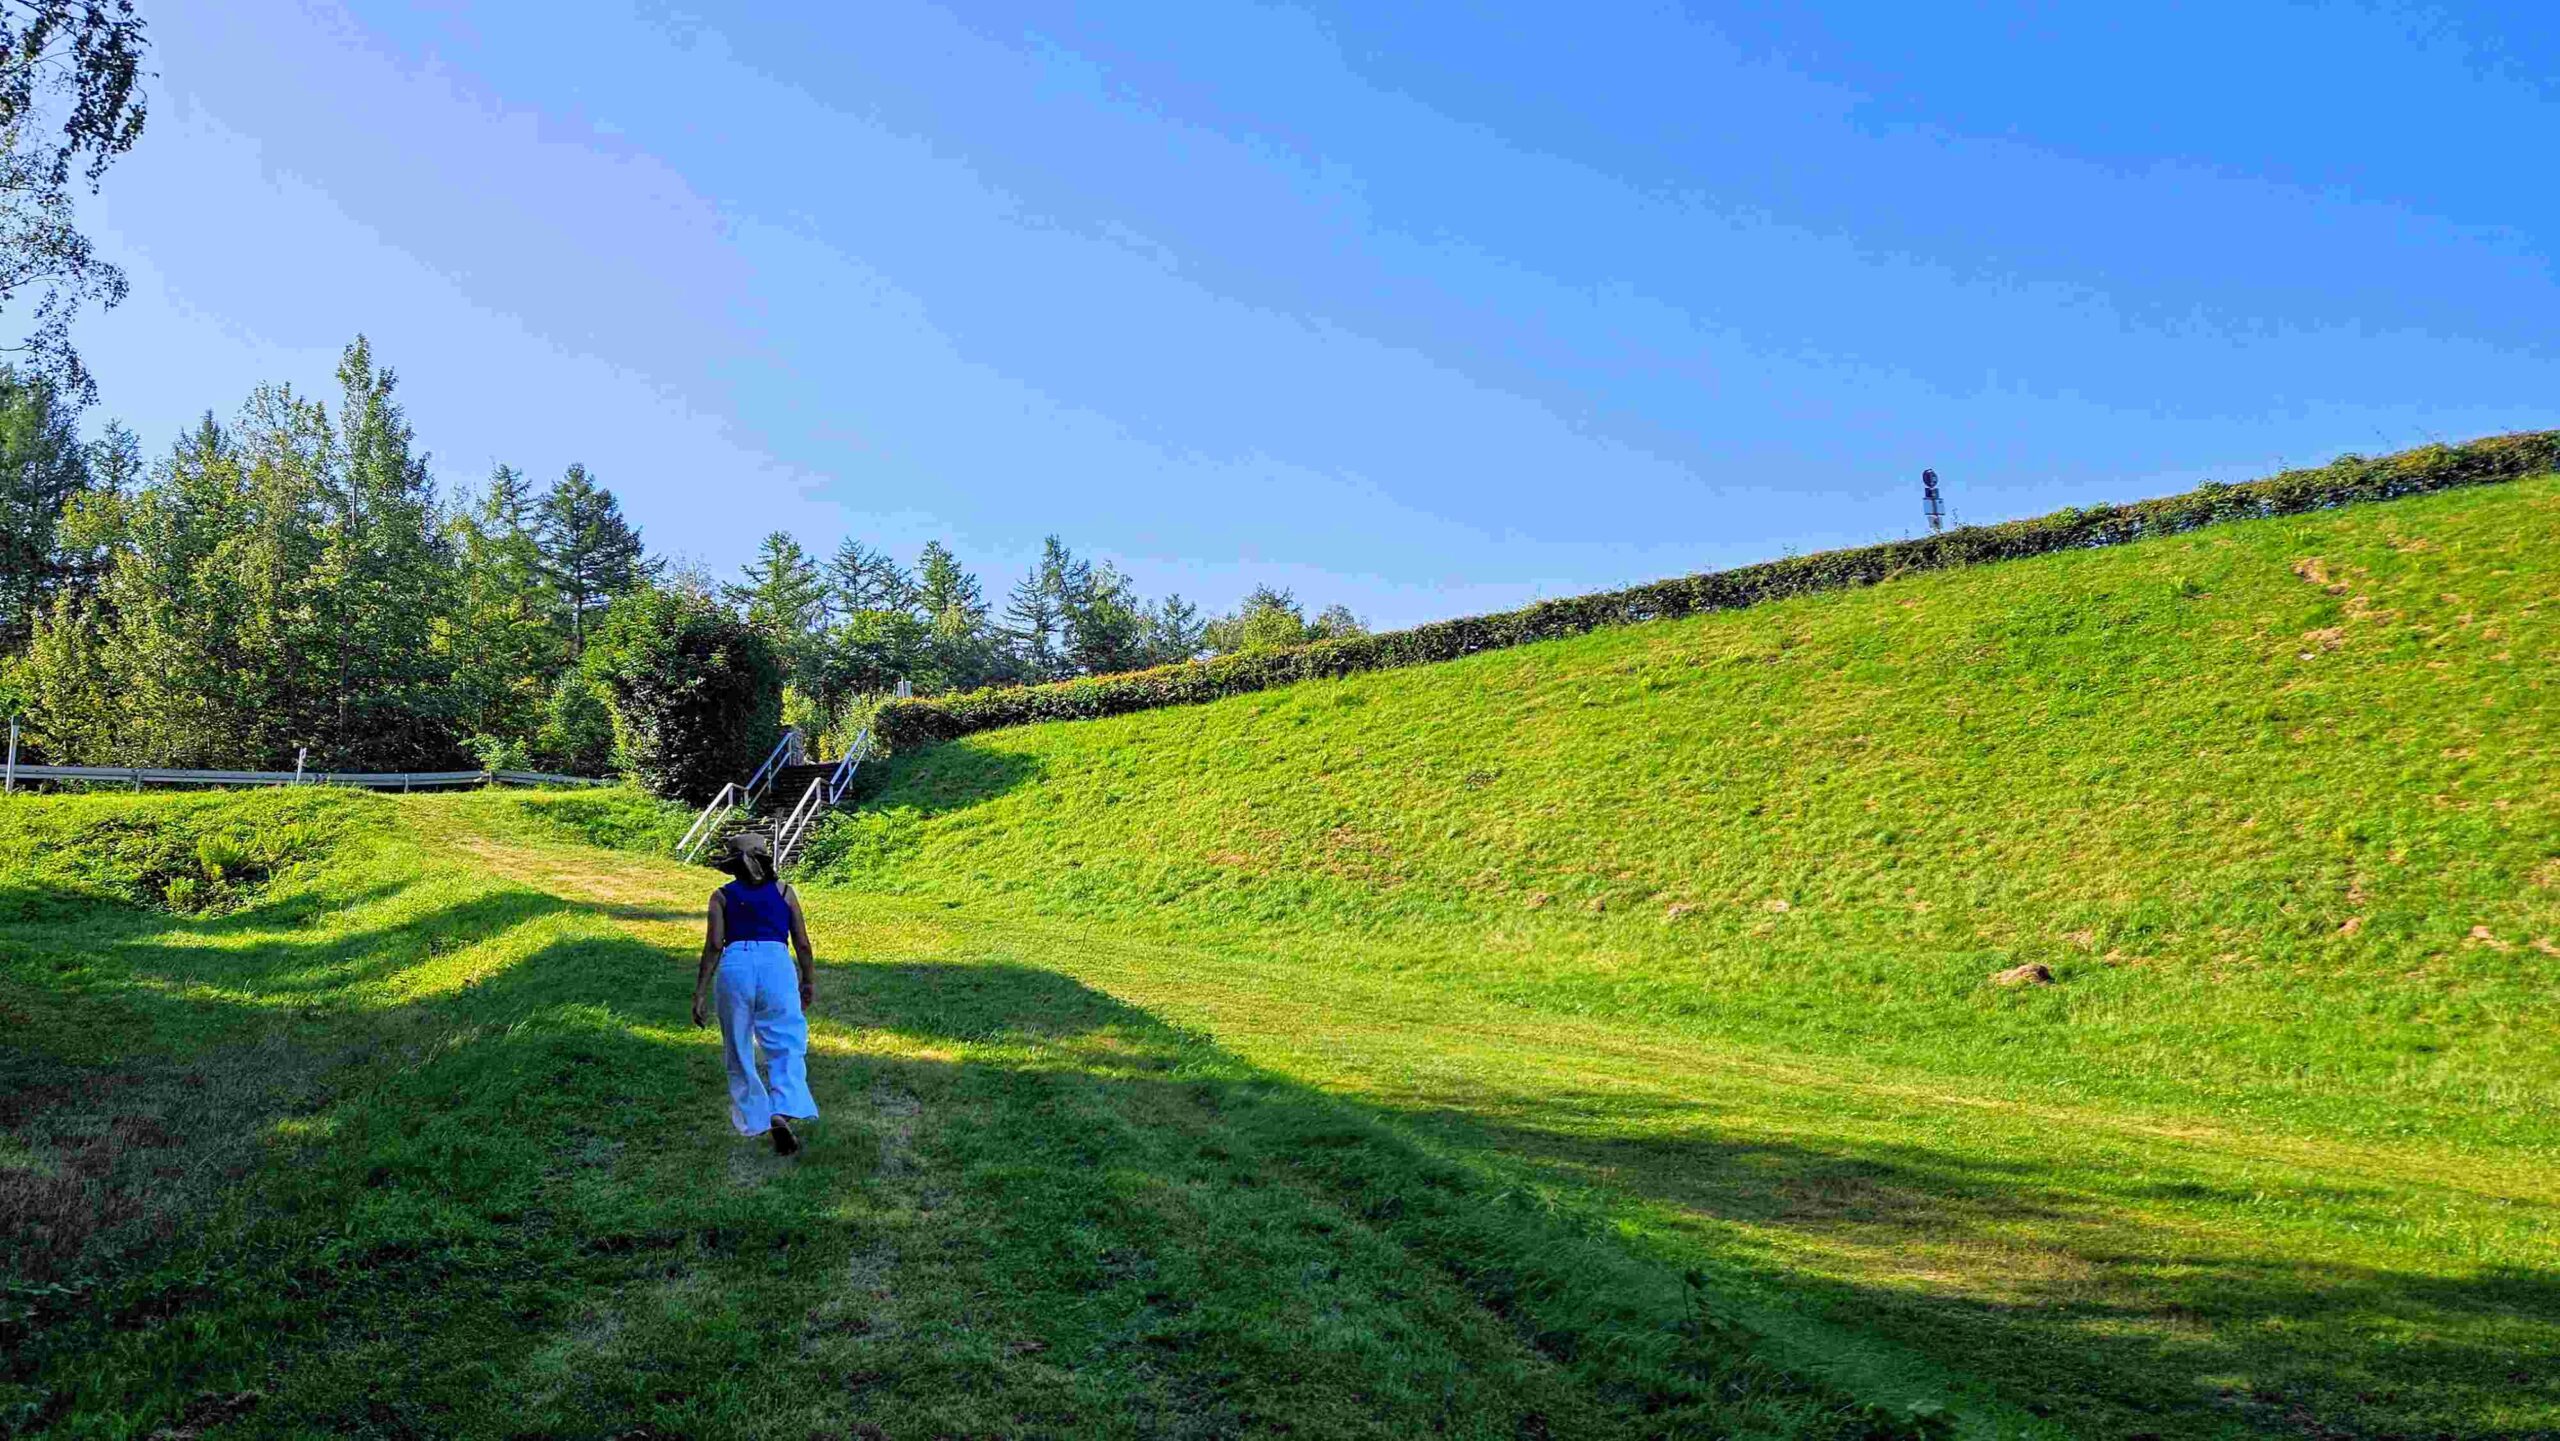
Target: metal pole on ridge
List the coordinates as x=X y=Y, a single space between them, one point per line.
x=13 y=756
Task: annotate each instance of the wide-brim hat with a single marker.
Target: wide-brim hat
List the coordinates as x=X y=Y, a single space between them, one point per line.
x=749 y=857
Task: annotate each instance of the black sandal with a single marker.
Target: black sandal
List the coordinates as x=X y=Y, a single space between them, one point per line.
x=784 y=1143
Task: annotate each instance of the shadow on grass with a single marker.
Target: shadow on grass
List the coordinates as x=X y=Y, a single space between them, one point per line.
x=1134 y=1222
x=952 y=776
x=2075 y=1295
x=1118 y=1215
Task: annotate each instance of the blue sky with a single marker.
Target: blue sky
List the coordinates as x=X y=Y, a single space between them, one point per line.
x=1425 y=309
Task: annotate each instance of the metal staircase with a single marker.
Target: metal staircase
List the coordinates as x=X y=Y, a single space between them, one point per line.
x=783 y=799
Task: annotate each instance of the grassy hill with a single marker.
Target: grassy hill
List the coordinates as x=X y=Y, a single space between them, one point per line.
x=1702 y=919
x=1595 y=1038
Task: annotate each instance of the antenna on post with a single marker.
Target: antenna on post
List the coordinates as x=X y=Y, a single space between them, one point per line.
x=1930 y=504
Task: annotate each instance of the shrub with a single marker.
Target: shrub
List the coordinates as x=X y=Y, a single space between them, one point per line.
x=2347 y=480
x=499 y=753
x=576 y=737
x=696 y=693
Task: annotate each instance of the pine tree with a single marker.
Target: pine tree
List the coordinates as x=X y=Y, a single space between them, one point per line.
x=1267 y=617
x=784 y=598
x=503 y=643
x=865 y=579
x=1106 y=622
x=116 y=471
x=42 y=466
x=944 y=589
x=1031 y=617
x=589 y=551
x=1175 y=632
x=957 y=653
x=390 y=583
x=782 y=594
x=1337 y=623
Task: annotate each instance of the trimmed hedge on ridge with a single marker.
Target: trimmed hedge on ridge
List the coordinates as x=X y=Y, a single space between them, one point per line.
x=2347 y=480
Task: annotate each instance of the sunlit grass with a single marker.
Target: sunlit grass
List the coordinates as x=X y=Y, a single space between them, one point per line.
x=1590 y=1039
x=419 y=1142
x=1701 y=918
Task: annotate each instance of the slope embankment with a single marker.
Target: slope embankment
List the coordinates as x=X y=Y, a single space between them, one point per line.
x=1702 y=923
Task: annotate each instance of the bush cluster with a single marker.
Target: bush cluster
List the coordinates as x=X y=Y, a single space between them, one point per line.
x=696 y=692
x=2347 y=480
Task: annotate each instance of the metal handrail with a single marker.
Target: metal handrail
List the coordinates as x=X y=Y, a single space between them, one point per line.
x=795 y=826
x=373 y=780
x=706 y=825
x=772 y=764
x=842 y=775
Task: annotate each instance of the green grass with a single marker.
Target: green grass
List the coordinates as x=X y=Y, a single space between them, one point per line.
x=1702 y=916
x=1423 y=1053
x=416 y=1141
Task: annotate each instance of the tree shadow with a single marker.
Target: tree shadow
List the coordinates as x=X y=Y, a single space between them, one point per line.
x=952 y=776
x=539 y=1161
x=1088 y=1185
x=2084 y=1299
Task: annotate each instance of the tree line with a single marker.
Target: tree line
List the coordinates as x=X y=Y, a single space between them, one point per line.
x=297 y=578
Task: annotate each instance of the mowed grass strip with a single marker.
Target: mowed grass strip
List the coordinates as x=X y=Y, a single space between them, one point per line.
x=412 y=1138
x=1699 y=921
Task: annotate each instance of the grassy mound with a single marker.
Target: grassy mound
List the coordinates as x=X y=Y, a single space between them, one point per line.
x=1709 y=916
x=191 y=855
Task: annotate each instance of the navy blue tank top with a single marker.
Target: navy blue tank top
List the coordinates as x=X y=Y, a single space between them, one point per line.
x=755 y=913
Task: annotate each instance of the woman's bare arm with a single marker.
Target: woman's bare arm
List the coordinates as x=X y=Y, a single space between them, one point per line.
x=801 y=950
x=715 y=938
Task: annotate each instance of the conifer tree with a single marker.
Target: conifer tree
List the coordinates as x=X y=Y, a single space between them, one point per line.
x=503 y=643
x=956 y=654
x=383 y=582
x=866 y=579
x=783 y=596
x=42 y=466
x=944 y=589
x=1267 y=617
x=1031 y=617
x=1106 y=622
x=1175 y=631
x=782 y=593
x=589 y=551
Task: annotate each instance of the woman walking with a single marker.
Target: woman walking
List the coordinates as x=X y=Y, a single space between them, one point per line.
x=762 y=992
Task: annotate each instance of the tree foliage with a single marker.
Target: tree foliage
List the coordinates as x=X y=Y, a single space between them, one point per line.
x=43 y=466
x=296 y=578
x=696 y=692
x=71 y=101
x=590 y=552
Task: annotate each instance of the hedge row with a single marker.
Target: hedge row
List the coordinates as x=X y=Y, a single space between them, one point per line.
x=2344 y=481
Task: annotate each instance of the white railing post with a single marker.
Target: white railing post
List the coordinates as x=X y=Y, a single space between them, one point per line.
x=13 y=757
x=787 y=836
x=300 y=754
x=845 y=768
x=755 y=783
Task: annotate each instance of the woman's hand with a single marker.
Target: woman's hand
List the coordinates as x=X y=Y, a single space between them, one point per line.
x=701 y=1015
x=808 y=992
